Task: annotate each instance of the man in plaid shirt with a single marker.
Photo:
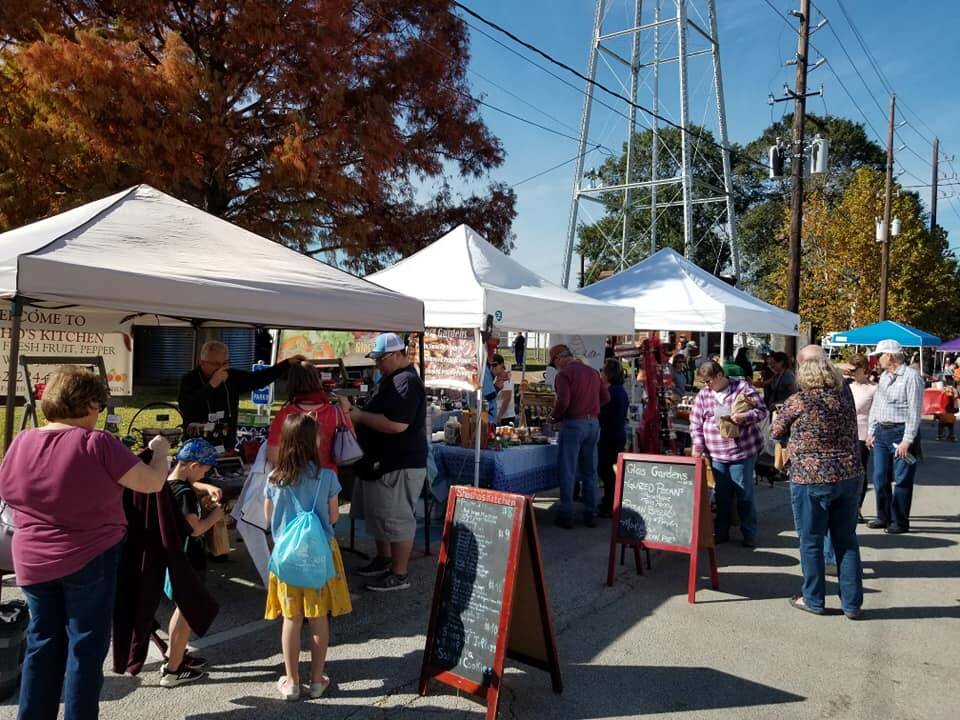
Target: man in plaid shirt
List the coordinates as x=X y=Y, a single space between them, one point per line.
x=893 y=432
x=733 y=459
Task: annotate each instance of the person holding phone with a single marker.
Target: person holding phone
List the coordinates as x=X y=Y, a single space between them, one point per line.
x=893 y=433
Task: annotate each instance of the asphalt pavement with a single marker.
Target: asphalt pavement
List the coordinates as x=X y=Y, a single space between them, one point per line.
x=637 y=649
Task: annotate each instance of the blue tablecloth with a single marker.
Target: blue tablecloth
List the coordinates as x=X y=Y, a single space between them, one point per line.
x=527 y=470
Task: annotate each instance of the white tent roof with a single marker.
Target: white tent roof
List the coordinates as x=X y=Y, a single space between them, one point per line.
x=668 y=292
x=462 y=278
x=142 y=251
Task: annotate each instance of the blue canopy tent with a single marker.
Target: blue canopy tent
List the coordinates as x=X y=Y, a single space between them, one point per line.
x=886 y=330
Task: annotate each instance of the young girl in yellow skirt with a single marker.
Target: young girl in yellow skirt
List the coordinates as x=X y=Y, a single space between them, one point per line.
x=296 y=478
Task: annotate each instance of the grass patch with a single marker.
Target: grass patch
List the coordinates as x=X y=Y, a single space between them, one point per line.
x=128 y=407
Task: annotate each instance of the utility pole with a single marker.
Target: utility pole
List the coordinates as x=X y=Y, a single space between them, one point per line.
x=933 y=184
x=796 y=169
x=887 y=211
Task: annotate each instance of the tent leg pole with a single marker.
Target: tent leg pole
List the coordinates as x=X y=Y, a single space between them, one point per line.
x=196 y=342
x=481 y=362
x=723 y=347
x=523 y=379
x=427 y=491
x=13 y=371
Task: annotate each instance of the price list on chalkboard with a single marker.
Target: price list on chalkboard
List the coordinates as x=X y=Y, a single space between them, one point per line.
x=471 y=598
x=657 y=502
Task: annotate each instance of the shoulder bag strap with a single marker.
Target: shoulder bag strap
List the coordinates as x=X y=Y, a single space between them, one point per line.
x=319 y=485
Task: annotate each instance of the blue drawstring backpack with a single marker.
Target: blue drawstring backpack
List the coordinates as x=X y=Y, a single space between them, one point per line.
x=301 y=553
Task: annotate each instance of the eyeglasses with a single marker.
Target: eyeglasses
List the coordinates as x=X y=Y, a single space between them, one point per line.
x=217 y=365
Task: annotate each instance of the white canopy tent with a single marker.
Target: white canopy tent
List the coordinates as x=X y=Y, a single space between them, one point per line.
x=141 y=251
x=462 y=280
x=668 y=292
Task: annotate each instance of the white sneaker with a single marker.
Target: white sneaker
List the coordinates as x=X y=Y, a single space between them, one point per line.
x=317 y=689
x=288 y=691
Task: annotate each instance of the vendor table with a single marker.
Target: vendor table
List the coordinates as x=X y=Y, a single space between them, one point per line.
x=526 y=469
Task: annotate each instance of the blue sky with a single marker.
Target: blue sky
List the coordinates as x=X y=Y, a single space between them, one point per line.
x=915 y=46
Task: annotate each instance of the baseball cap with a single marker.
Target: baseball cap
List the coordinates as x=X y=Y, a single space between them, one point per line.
x=385 y=344
x=197 y=450
x=887 y=346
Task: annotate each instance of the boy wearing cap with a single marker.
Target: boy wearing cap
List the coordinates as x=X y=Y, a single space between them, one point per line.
x=194 y=461
x=892 y=431
x=392 y=431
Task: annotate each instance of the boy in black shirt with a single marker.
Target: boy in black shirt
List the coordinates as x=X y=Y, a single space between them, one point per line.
x=194 y=461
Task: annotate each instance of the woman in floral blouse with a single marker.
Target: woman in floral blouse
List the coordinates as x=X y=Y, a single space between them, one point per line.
x=825 y=476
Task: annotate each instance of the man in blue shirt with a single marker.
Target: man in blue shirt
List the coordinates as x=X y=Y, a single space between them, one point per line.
x=892 y=433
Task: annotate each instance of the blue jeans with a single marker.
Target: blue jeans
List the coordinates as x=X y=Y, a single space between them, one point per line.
x=735 y=479
x=829 y=556
x=893 y=507
x=818 y=509
x=69 y=633
x=578 y=461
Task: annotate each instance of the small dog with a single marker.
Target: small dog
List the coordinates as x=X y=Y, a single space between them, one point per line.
x=767 y=472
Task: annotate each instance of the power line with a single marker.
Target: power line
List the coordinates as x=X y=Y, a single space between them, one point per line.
x=832 y=70
x=549 y=58
x=866 y=50
x=884 y=82
x=555 y=167
x=522 y=119
x=520 y=99
x=926 y=185
x=854 y=101
x=484 y=103
x=855 y=68
x=548 y=71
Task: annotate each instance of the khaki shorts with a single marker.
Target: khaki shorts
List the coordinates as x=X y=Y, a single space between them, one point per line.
x=388 y=504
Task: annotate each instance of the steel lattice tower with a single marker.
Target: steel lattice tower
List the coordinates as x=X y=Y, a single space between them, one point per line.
x=669 y=43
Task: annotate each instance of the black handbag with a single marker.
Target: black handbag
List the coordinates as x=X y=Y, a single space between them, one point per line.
x=6 y=537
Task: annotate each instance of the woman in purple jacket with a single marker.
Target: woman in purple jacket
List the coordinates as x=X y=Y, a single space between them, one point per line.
x=733 y=458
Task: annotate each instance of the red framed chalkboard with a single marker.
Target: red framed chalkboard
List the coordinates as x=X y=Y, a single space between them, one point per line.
x=490 y=599
x=660 y=502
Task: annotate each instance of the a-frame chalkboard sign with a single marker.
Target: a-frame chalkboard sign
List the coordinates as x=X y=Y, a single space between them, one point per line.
x=661 y=502
x=490 y=599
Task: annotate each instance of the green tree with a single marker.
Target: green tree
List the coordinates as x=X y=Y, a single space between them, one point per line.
x=764 y=201
x=600 y=242
x=840 y=280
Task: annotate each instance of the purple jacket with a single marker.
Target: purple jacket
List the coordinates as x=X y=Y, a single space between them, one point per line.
x=705 y=430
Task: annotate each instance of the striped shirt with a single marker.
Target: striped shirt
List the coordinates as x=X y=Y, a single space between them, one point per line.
x=899 y=399
x=705 y=428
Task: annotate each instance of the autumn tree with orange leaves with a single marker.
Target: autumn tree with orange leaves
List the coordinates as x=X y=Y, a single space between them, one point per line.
x=318 y=123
